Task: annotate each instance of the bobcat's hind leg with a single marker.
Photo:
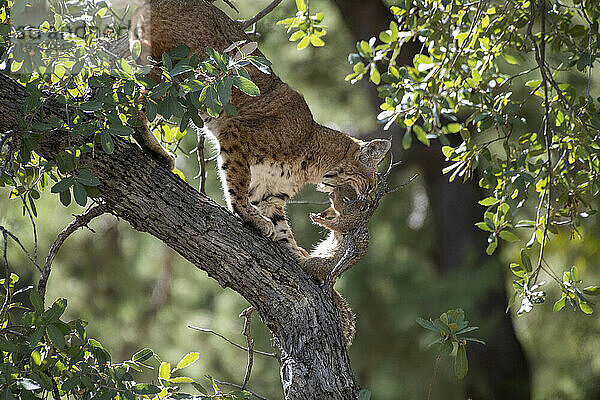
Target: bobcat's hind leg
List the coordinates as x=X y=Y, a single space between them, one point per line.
x=273 y=207
x=235 y=178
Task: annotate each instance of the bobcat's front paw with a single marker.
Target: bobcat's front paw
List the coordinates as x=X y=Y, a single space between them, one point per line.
x=264 y=225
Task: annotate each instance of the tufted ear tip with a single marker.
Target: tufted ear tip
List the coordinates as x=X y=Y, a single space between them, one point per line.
x=373 y=152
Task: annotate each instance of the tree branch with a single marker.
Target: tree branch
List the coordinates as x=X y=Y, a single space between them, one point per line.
x=247 y=314
x=246 y=23
x=79 y=221
x=225 y=338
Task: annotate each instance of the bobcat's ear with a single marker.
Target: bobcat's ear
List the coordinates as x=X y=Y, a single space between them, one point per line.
x=371 y=153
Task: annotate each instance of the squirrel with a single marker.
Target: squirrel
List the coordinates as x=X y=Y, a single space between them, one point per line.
x=348 y=238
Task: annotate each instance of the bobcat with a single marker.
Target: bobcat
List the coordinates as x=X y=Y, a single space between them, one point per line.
x=273 y=146
x=343 y=217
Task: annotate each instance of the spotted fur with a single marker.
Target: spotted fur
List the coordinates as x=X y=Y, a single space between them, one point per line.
x=274 y=146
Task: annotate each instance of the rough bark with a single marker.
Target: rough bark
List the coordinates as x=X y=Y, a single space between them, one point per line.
x=299 y=314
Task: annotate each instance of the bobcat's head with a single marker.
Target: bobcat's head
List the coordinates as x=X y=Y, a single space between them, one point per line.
x=358 y=168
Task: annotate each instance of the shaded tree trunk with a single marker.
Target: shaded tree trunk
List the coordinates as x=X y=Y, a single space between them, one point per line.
x=300 y=315
x=498 y=370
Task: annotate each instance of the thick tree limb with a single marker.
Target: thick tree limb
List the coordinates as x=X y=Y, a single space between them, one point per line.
x=303 y=321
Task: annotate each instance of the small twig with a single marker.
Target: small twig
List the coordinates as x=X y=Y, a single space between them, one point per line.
x=237 y=386
x=239 y=346
x=246 y=23
x=230 y=4
x=6 y=274
x=16 y=239
x=201 y=161
x=435 y=368
x=35 y=240
x=318 y=203
x=247 y=313
x=79 y=221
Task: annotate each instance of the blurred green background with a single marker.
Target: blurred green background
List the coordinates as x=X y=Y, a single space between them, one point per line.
x=135 y=292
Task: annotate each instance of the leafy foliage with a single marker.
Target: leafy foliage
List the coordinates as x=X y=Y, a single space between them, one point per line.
x=42 y=355
x=102 y=95
x=482 y=64
x=451 y=326
x=308 y=29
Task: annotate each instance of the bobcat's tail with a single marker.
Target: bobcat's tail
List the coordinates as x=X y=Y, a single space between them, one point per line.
x=346 y=315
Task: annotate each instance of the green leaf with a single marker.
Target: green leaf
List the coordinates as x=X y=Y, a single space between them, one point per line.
x=385 y=37
x=297 y=35
x=467 y=329
x=246 y=86
x=136 y=50
x=592 y=290
x=65 y=198
x=533 y=83
x=199 y=388
x=317 y=41
x=142 y=355
x=483 y=226
x=489 y=201
x=224 y=90
x=427 y=324
x=56 y=337
x=453 y=127
x=364 y=394
x=93 y=105
x=79 y=194
x=510 y=59
x=164 y=371
x=107 y=143
x=461 y=364
x=213 y=107
x=181 y=68
x=492 y=247
x=120 y=130
x=36 y=301
x=526 y=261
x=189 y=359
x=71 y=383
x=303 y=43
x=508 y=236
x=421 y=135
x=179 y=52
x=559 y=304
x=374 y=75
x=54 y=312
x=85 y=177
x=585 y=307
x=181 y=379
x=63 y=185
x=517 y=269
x=407 y=140
x=146 y=389
x=160 y=89
x=574 y=273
